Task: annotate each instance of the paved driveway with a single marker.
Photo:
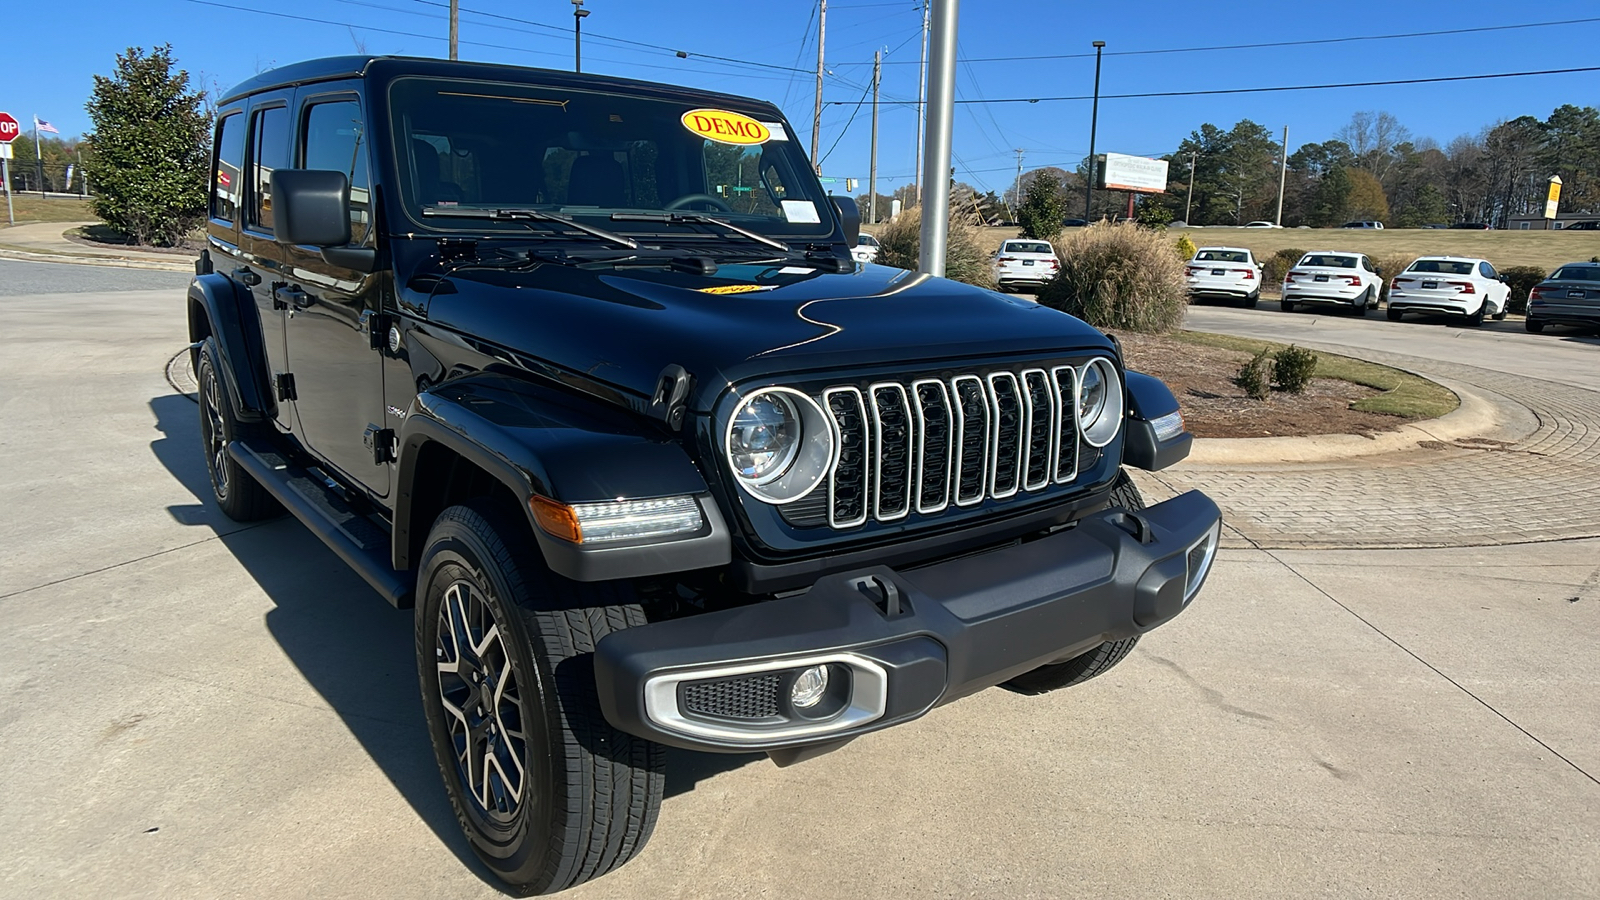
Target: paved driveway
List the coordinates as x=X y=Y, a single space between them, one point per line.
x=189 y=707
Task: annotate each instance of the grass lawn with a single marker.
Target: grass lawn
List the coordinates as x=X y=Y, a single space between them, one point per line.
x=34 y=208
x=1404 y=394
x=1545 y=249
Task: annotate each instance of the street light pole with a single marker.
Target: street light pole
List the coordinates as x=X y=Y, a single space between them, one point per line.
x=936 y=150
x=1283 y=176
x=1194 y=158
x=578 y=15
x=1094 y=124
x=455 y=25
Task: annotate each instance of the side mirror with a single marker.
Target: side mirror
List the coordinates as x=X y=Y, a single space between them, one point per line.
x=849 y=216
x=311 y=207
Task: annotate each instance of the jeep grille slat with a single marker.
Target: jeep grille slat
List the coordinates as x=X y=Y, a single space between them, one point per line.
x=926 y=445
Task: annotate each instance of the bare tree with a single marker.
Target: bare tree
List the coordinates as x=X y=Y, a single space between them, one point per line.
x=1373 y=137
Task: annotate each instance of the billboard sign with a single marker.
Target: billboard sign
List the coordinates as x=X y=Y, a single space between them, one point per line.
x=1120 y=172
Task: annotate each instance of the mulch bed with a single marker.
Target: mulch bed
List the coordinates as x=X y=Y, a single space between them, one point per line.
x=1213 y=406
x=102 y=236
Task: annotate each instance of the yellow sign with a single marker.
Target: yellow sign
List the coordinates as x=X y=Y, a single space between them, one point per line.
x=726 y=127
x=737 y=288
x=1554 y=200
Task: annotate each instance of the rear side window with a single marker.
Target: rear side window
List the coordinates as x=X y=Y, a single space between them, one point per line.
x=269 y=150
x=336 y=139
x=228 y=179
x=1486 y=270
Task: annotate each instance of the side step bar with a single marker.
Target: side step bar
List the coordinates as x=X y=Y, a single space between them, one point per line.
x=360 y=543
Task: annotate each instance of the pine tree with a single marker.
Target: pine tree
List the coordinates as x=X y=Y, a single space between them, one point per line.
x=150 y=141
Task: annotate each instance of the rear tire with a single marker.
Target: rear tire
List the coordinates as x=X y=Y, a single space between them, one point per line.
x=1360 y=309
x=1501 y=315
x=1287 y=305
x=548 y=793
x=1251 y=301
x=1533 y=326
x=1394 y=314
x=1476 y=319
x=239 y=496
x=1101 y=659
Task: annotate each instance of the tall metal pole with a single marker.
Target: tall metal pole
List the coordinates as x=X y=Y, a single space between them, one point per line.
x=578 y=15
x=1094 y=124
x=816 y=116
x=455 y=25
x=941 y=119
x=1016 y=189
x=1283 y=175
x=872 y=171
x=1193 y=159
x=5 y=175
x=922 y=109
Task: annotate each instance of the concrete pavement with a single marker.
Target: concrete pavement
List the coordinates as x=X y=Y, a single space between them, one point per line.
x=45 y=242
x=189 y=707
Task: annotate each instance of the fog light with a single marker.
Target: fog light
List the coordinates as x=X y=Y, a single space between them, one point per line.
x=809 y=686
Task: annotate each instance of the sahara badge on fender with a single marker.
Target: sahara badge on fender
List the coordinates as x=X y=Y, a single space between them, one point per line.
x=726 y=127
x=736 y=288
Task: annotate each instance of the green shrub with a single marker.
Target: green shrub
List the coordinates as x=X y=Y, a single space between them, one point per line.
x=1253 y=376
x=1186 y=247
x=1293 y=368
x=1119 y=276
x=1278 y=264
x=1389 y=265
x=1043 y=207
x=964 y=260
x=1521 y=280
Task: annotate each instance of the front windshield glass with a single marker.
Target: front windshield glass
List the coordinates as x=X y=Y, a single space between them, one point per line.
x=484 y=146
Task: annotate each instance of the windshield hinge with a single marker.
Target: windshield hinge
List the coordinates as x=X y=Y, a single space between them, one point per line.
x=671 y=398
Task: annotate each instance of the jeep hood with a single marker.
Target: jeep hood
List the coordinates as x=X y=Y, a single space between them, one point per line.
x=623 y=326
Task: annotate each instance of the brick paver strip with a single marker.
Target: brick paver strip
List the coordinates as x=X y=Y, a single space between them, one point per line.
x=1544 y=487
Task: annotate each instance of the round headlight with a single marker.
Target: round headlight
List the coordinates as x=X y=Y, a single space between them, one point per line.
x=779 y=444
x=1100 y=404
x=764 y=438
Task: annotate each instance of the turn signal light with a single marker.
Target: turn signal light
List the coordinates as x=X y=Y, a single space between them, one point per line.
x=557 y=519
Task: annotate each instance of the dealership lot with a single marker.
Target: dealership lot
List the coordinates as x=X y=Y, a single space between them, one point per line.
x=195 y=707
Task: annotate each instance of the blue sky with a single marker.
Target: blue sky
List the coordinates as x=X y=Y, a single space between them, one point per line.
x=52 y=56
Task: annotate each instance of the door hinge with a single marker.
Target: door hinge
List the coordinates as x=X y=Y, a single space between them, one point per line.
x=283 y=387
x=381 y=442
x=376 y=325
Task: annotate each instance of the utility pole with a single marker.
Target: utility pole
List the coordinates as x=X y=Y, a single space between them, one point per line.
x=872 y=171
x=816 y=117
x=1094 y=124
x=922 y=107
x=1016 y=190
x=941 y=119
x=455 y=25
x=1283 y=175
x=1193 y=159
x=578 y=15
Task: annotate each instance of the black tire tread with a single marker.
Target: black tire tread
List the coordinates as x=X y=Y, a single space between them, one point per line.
x=626 y=784
x=247 y=501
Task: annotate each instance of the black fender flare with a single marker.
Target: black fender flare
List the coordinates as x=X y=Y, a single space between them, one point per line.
x=1150 y=399
x=543 y=442
x=231 y=322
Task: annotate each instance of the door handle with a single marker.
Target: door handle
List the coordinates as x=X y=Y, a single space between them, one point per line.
x=290 y=298
x=246 y=276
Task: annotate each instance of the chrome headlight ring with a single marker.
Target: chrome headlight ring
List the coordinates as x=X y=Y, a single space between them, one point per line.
x=804 y=466
x=1100 y=416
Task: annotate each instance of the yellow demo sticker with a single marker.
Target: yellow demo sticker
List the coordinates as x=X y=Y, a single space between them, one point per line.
x=726 y=127
x=736 y=288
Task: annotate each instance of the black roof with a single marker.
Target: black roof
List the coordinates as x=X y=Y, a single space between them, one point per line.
x=333 y=67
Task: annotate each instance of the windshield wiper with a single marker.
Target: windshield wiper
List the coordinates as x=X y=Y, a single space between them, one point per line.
x=528 y=215
x=702 y=218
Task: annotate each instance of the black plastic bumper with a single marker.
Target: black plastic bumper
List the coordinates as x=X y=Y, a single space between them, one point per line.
x=949 y=630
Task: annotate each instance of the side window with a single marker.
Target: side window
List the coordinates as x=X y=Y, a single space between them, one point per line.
x=1367 y=264
x=228 y=179
x=269 y=150
x=1487 y=270
x=336 y=138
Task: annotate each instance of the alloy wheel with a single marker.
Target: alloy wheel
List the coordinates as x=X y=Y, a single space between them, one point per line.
x=483 y=707
x=212 y=434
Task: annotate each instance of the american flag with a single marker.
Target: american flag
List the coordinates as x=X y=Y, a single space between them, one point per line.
x=44 y=126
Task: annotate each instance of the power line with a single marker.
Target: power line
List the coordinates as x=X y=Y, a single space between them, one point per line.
x=1273 y=44
x=1279 y=88
x=846 y=127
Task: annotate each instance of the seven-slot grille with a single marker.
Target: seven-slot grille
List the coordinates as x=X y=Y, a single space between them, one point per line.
x=934 y=443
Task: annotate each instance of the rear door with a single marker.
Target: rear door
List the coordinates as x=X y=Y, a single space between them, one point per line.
x=333 y=310
x=261 y=258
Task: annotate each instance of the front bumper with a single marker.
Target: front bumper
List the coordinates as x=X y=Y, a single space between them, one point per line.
x=907 y=641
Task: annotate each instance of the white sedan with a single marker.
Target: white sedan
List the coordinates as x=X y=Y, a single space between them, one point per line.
x=1454 y=285
x=1333 y=278
x=1023 y=262
x=866 y=249
x=1230 y=273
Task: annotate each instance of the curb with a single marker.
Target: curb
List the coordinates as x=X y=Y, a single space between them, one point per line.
x=1476 y=416
x=121 y=262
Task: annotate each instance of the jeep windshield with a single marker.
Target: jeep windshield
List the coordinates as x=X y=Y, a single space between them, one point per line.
x=491 y=156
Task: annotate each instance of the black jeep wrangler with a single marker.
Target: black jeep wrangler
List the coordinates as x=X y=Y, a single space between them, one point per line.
x=582 y=368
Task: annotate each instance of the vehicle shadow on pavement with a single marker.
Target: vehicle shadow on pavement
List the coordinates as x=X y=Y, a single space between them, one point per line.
x=352 y=648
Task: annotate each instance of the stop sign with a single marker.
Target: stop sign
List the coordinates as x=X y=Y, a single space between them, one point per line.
x=9 y=129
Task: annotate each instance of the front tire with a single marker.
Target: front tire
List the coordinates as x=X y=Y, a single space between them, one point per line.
x=1101 y=659
x=239 y=496
x=548 y=793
